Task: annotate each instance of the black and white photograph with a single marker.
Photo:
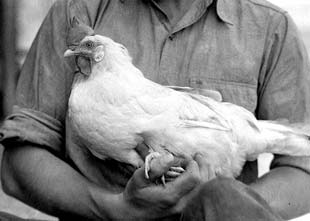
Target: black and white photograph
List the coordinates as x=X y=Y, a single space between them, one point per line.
x=168 y=110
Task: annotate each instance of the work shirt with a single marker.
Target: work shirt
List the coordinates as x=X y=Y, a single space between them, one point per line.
x=248 y=50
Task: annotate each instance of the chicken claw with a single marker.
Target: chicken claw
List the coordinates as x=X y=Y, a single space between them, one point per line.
x=171 y=174
x=174 y=172
x=148 y=160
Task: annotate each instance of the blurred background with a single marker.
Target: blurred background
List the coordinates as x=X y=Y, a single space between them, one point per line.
x=21 y=19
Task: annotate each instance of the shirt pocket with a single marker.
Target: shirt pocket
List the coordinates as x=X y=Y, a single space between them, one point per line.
x=242 y=94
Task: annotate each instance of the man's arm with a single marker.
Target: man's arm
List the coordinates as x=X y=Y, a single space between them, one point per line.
x=287 y=190
x=284 y=92
x=40 y=179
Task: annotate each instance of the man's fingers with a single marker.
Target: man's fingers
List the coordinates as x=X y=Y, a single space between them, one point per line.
x=173 y=196
x=139 y=180
x=168 y=196
x=179 y=191
x=197 y=171
x=206 y=171
x=187 y=181
x=147 y=192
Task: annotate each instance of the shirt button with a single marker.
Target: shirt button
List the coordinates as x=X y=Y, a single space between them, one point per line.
x=171 y=37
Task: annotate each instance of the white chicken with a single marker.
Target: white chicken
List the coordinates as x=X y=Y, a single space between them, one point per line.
x=113 y=107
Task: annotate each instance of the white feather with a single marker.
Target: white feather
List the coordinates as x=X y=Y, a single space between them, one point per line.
x=116 y=108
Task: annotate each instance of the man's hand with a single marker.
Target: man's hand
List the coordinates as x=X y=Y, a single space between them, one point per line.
x=143 y=198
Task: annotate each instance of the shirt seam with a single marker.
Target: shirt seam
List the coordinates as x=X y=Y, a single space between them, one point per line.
x=280 y=11
x=262 y=89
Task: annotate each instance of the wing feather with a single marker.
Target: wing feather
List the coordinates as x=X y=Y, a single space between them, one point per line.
x=192 y=110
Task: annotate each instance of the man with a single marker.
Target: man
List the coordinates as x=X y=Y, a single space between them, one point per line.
x=248 y=50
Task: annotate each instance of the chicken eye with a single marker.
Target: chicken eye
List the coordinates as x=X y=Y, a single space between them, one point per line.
x=89 y=44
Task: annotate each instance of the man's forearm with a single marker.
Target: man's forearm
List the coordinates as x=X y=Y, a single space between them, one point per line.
x=287 y=190
x=40 y=179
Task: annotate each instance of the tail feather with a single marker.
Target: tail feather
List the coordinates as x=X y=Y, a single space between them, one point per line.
x=288 y=139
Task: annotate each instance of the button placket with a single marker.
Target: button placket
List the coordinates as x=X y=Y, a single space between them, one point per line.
x=165 y=63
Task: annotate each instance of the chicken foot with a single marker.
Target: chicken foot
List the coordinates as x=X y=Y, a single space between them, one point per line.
x=172 y=173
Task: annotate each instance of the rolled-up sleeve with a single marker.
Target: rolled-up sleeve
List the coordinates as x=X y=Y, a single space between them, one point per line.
x=32 y=127
x=284 y=83
x=44 y=86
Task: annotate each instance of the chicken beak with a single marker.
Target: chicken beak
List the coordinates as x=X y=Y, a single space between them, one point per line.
x=69 y=53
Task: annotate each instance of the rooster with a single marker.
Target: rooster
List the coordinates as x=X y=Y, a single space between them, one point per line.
x=113 y=108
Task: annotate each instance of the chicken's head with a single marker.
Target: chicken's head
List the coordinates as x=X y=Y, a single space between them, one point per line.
x=95 y=49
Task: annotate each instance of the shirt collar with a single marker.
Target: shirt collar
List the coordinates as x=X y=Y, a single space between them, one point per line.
x=224 y=9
